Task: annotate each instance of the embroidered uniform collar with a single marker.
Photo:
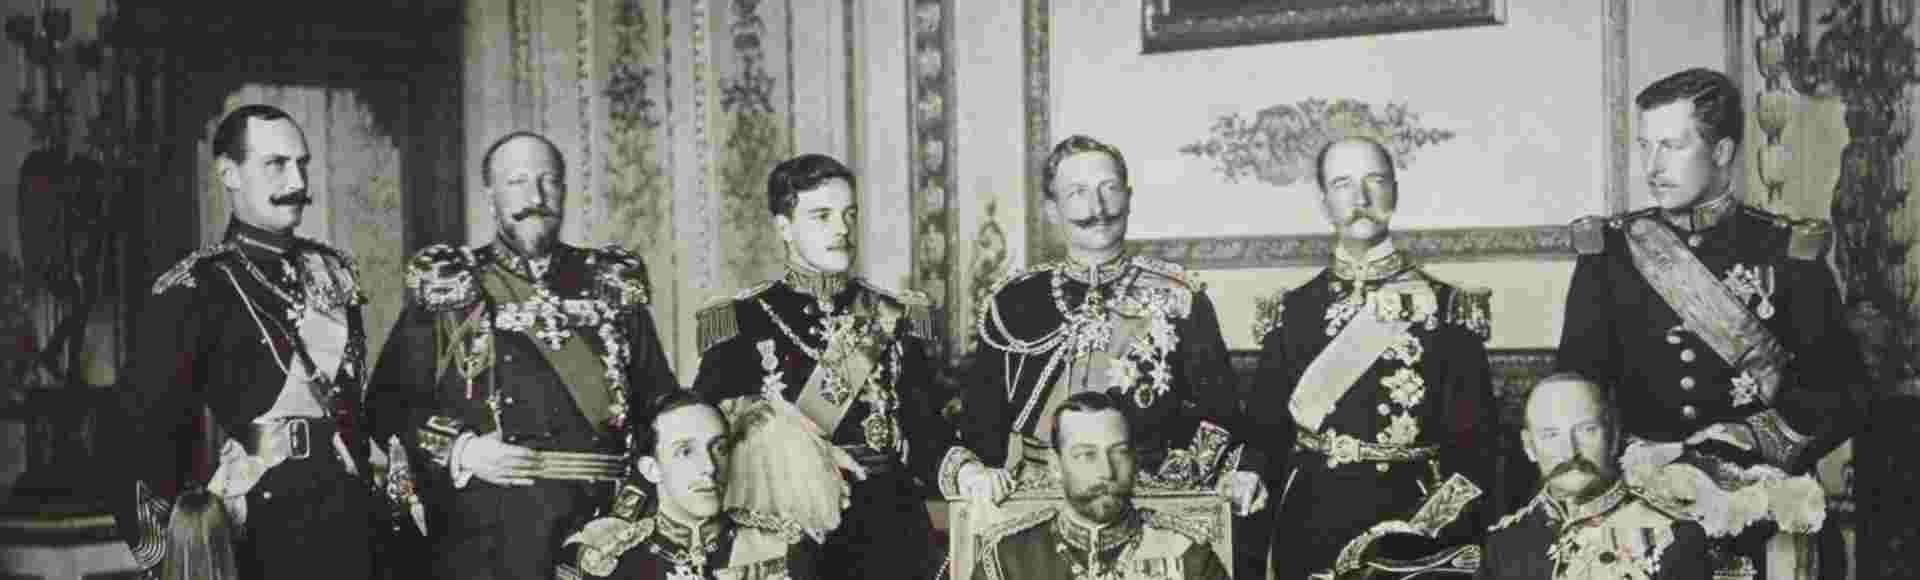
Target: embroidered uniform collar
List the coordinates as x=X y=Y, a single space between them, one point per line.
x=1566 y=515
x=257 y=242
x=1095 y=274
x=1381 y=262
x=823 y=286
x=1085 y=536
x=688 y=535
x=1702 y=216
x=529 y=267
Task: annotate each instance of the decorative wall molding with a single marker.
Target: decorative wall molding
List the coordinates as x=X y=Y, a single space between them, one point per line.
x=935 y=204
x=1044 y=244
x=1614 y=70
x=1488 y=244
x=1279 y=144
x=1165 y=28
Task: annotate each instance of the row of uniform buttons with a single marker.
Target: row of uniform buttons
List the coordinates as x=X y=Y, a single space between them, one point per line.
x=1686 y=356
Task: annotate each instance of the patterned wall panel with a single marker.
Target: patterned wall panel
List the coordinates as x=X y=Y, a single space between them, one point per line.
x=935 y=214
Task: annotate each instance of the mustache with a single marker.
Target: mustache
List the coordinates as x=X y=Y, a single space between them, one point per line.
x=1098 y=220
x=534 y=210
x=295 y=198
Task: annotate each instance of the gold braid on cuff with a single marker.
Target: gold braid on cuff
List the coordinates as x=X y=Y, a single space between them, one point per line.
x=950 y=464
x=437 y=437
x=1777 y=441
x=1342 y=449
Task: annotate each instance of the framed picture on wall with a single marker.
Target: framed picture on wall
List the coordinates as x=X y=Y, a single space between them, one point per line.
x=1175 y=25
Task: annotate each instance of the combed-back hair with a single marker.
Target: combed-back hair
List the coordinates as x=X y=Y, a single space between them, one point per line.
x=1088 y=402
x=798 y=174
x=230 y=136
x=486 y=160
x=1717 y=113
x=1076 y=145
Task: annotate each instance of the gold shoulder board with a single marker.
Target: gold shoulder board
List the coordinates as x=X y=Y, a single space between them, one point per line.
x=1588 y=238
x=1808 y=240
x=181 y=274
x=1189 y=527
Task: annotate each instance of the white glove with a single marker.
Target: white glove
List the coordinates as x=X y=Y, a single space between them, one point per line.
x=981 y=483
x=497 y=462
x=1247 y=490
x=239 y=471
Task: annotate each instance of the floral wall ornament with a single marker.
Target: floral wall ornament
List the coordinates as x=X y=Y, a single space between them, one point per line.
x=989 y=258
x=1279 y=143
x=757 y=136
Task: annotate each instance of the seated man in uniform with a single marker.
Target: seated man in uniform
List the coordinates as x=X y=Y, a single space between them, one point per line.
x=1586 y=523
x=1100 y=534
x=686 y=447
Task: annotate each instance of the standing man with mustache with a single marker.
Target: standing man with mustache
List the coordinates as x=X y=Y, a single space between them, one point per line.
x=506 y=379
x=265 y=329
x=1586 y=522
x=1110 y=321
x=1375 y=374
x=1099 y=533
x=850 y=355
x=683 y=451
x=1720 y=323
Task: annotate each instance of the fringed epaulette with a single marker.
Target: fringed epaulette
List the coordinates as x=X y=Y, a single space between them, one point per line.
x=1472 y=308
x=1193 y=529
x=1267 y=311
x=603 y=540
x=918 y=307
x=621 y=273
x=1809 y=239
x=182 y=272
x=986 y=302
x=717 y=321
x=992 y=535
x=441 y=277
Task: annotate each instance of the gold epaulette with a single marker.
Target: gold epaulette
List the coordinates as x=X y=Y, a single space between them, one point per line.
x=717 y=321
x=1588 y=235
x=1014 y=525
x=1809 y=239
x=918 y=306
x=1172 y=277
x=603 y=540
x=181 y=274
x=441 y=277
x=623 y=274
x=1194 y=530
x=345 y=257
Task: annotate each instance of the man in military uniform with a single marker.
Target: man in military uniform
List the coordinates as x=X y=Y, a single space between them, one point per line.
x=1374 y=373
x=683 y=454
x=265 y=329
x=1711 y=316
x=1109 y=321
x=1586 y=523
x=1100 y=533
x=849 y=355
x=509 y=371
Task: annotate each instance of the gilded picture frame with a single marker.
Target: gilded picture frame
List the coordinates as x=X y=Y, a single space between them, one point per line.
x=1176 y=25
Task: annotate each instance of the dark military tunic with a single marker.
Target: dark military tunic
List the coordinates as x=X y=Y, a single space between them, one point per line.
x=887 y=531
x=723 y=548
x=199 y=345
x=1421 y=410
x=1009 y=391
x=1617 y=535
x=462 y=361
x=1049 y=544
x=1670 y=383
